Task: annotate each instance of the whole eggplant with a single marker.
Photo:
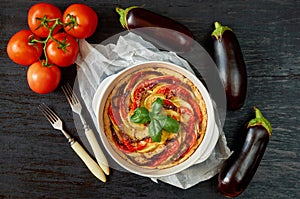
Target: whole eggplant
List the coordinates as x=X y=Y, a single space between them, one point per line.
x=162 y=31
x=239 y=169
x=230 y=62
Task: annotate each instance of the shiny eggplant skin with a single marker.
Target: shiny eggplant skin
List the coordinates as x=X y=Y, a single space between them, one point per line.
x=239 y=169
x=162 y=31
x=230 y=62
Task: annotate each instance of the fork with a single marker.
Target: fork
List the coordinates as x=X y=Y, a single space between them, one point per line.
x=57 y=124
x=76 y=107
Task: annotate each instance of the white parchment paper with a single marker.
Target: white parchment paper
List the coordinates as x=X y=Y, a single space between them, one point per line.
x=97 y=61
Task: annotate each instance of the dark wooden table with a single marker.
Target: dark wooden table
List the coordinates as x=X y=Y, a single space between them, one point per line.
x=36 y=161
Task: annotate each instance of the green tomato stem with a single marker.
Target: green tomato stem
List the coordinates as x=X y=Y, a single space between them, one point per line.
x=57 y=21
x=72 y=22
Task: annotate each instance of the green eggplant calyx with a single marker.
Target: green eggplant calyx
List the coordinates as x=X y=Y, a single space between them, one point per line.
x=123 y=15
x=260 y=120
x=219 y=30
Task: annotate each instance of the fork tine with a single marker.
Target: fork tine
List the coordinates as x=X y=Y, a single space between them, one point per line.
x=45 y=114
x=67 y=94
x=48 y=113
x=71 y=96
x=74 y=96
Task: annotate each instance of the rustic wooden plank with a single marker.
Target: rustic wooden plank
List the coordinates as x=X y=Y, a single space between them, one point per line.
x=37 y=162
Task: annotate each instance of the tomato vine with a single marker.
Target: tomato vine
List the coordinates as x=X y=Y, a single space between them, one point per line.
x=51 y=42
x=62 y=45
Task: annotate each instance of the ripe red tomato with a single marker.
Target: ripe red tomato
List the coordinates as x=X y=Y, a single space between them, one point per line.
x=21 y=50
x=85 y=20
x=40 y=14
x=64 y=53
x=43 y=79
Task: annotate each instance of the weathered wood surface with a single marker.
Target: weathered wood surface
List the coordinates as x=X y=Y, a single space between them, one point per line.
x=36 y=161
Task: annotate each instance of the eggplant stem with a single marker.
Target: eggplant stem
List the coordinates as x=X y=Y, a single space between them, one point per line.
x=219 y=30
x=260 y=120
x=123 y=15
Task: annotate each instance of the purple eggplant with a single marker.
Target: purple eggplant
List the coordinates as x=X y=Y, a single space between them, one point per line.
x=160 y=30
x=230 y=62
x=239 y=169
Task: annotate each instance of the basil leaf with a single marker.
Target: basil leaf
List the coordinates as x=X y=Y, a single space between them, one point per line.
x=155 y=130
x=157 y=118
x=161 y=118
x=140 y=115
x=156 y=106
x=171 y=125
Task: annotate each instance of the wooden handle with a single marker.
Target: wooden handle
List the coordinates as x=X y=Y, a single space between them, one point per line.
x=89 y=162
x=100 y=157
